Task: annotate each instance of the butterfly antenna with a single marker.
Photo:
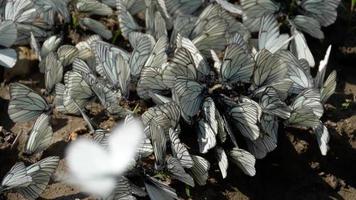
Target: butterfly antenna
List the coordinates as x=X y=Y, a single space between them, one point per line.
x=136 y=107
x=85 y=117
x=15 y=142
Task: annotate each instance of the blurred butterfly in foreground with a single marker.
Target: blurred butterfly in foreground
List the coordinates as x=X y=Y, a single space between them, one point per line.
x=95 y=168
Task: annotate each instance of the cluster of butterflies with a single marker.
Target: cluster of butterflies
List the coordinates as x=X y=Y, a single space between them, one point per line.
x=195 y=61
x=19 y=18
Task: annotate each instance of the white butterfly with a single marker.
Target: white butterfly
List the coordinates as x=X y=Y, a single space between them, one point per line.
x=95 y=168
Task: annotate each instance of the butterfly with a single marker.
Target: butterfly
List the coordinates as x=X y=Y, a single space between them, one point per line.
x=30 y=181
x=41 y=135
x=107 y=164
x=25 y=104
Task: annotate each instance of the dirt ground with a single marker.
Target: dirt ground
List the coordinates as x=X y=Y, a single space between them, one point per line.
x=295 y=170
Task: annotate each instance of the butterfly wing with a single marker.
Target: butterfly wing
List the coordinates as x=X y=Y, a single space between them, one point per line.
x=25 y=104
x=41 y=135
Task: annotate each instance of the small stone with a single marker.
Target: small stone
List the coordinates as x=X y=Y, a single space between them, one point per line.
x=315 y=165
x=332 y=181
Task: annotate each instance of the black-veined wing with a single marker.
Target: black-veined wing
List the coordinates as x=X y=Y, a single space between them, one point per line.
x=300 y=48
x=177 y=171
x=210 y=34
x=182 y=7
x=111 y=3
x=8 y=57
x=282 y=87
x=258 y=8
x=146 y=147
x=67 y=54
x=141 y=53
x=150 y=17
x=93 y=7
x=206 y=136
x=200 y=63
x=159 y=143
x=35 y=47
x=273 y=105
x=254 y=10
x=20 y=11
x=261 y=146
x=270 y=69
x=179 y=150
x=41 y=135
x=40 y=172
x=158 y=190
x=24 y=33
x=53 y=71
x=155 y=23
x=329 y=87
x=303 y=118
x=150 y=81
x=324 y=11
x=210 y=110
x=244 y=160
x=244 y=99
x=190 y=96
x=84 y=48
x=166 y=115
x=8 y=33
x=269 y=125
x=101 y=137
x=61 y=93
x=51 y=10
x=77 y=87
x=222 y=161
x=108 y=98
x=217 y=62
x=222 y=133
x=112 y=64
x=306 y=109
x=161 y=4
x=160 y=26
x=240 y=41
x=320 y=76
x=124 y=189
x=126 y=22
x=49 y=45
x=232 y=8
x=323 y=137
x=15 y=178
x=133 y=6
x=159 y=99
x=200 y=170
x=105 y=54
x=237 y=65
x=301 y=79
x=309 y=98
x=182 y=25
x=245 y=117
x=158 y=55
x=269 y=36
x=308 y=25
x=182 y=66
x=25 y=104
x=96 y=26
